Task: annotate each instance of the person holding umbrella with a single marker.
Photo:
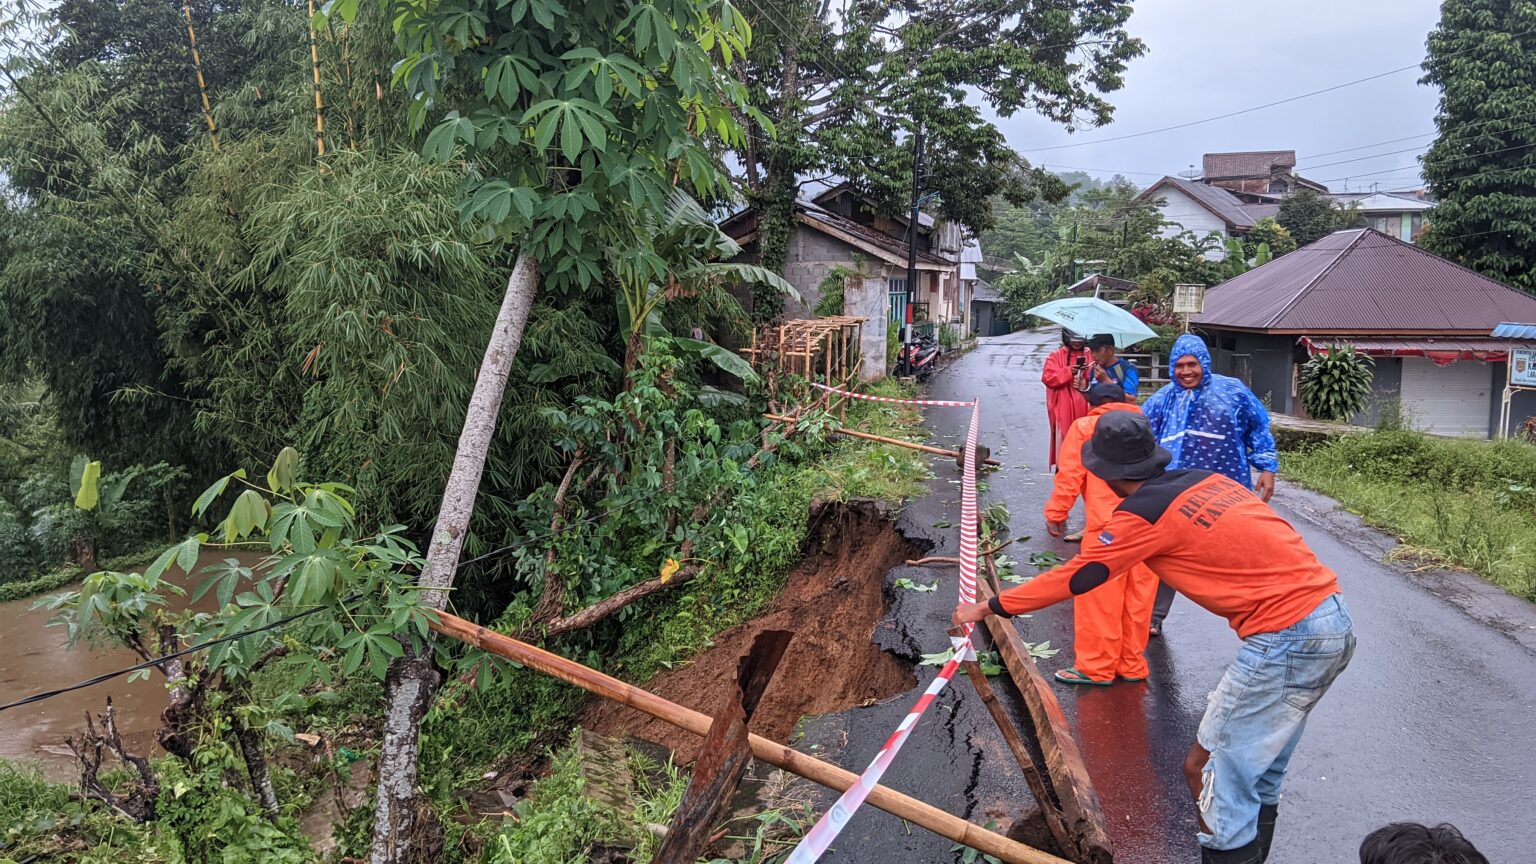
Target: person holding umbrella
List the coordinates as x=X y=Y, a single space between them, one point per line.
x=1108 y=368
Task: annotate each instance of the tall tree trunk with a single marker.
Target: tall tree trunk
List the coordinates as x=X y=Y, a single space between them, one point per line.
x=412 y=681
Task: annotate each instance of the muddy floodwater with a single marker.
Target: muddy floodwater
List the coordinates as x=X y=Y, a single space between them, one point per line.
x=35 y=657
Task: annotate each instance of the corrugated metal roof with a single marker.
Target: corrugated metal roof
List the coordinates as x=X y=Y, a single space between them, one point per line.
x=1214 y=198
x=1364 y=281
x=1507 y=330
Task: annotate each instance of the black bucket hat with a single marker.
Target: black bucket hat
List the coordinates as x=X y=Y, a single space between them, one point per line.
x=1124 y=448
x=1105 y=391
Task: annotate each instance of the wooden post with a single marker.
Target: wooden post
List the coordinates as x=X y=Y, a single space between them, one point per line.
x=826 y=774
x=723 y=758
x=1063 y=761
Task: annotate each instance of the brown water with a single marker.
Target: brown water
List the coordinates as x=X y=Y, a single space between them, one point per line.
x=35 y=656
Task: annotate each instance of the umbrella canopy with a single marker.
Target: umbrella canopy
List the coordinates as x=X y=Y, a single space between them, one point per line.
x=1091 y=316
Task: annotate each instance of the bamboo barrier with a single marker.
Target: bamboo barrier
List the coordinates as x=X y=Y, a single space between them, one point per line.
x=910 y=445
x=826 y=774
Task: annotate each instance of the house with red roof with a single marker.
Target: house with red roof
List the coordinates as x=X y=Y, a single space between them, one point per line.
x=1425 y=321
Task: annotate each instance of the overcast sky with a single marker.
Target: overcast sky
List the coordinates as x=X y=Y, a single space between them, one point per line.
x=1210 y=57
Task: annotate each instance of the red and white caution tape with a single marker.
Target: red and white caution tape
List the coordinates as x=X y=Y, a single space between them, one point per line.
x=820 y=837
x=864 y=397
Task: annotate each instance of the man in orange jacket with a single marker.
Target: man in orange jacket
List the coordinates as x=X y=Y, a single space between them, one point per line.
x=1110 y=625
x=1220 y=546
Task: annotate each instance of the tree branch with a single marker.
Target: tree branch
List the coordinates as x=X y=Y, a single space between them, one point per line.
x=553 y=596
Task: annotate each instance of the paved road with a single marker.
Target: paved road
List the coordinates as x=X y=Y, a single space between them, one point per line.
x=1432 y=721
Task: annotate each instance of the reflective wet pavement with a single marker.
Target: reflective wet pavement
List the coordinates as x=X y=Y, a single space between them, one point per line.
x=1432 y=721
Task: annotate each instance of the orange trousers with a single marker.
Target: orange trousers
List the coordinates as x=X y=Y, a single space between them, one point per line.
x=1110 y=626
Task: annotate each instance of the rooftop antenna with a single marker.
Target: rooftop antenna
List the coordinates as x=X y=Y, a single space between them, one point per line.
x=1190 y=173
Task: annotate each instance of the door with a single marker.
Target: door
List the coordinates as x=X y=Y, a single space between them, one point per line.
x=1449 y=400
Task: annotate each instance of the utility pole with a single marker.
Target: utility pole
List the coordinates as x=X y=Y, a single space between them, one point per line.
x=917 y=191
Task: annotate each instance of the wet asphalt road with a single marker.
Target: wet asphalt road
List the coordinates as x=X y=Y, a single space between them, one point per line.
x=1435 y=720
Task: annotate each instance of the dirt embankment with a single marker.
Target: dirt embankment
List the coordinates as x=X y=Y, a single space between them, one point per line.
x=831 y=603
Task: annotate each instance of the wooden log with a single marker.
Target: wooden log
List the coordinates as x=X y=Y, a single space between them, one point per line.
x=1050 y=808
x=723 y=758
x=1063 y=761
x=910 y=445
x=795 y=762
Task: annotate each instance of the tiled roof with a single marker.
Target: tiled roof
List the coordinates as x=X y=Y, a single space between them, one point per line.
x=885 y=241
x=1363 y=282
x=1256 y=163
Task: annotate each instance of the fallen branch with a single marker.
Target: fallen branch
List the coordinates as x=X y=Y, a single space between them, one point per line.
x=602 y=609
x=139 y=802
x=553 y=595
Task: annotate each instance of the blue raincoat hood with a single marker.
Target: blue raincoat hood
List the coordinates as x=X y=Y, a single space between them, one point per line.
x=1191 y=345
x=1218 y=425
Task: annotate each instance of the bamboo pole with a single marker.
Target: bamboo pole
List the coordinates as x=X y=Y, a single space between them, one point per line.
x=924 y=448
x=314 y=65
x=831 y=776
x=202 y=85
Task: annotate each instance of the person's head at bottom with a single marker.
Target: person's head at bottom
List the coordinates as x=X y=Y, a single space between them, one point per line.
x=1104 y=392
x=1411 y=843
x=1075 y=341
x=1124 y=453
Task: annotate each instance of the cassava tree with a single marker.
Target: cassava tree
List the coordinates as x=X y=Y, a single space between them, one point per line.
x=579 y=122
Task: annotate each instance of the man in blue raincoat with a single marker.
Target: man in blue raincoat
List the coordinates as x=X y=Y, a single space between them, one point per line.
x=1210 y=422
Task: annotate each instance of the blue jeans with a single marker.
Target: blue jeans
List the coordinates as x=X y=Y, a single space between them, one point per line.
x=1256 y=716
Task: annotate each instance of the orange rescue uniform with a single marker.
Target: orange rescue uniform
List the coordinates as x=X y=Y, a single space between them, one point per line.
x=1208 y=537
x=1109 y=626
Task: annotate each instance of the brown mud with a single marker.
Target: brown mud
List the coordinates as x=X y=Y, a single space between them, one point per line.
x=832 y=603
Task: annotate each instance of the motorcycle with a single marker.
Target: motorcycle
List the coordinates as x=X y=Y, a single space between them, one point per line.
x=917 y=358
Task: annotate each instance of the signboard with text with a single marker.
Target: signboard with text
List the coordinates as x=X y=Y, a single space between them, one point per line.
x=1188 y=299
x=1522 y=367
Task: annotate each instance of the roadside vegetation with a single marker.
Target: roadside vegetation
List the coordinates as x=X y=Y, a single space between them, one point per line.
x=1465 y=502
x=482 y=724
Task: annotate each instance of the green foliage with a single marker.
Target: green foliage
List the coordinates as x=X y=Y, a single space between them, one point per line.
x=1268 y=233
x=215 y=822
x=1482 y=169
x=1308 y=216
x=41 y=819
x=1336 y=385
x=830 y=291
x=559 y=823
x=847 y=87
x=578 y=118
x=1122 y=238
x=1466 y=502
x=1236 y=262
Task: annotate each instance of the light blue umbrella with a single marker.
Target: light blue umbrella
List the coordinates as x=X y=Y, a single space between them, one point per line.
x=1091 y=316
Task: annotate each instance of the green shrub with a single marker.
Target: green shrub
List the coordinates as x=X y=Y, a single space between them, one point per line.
x=558 y=823
x=1336 y=385
x=1470 y=503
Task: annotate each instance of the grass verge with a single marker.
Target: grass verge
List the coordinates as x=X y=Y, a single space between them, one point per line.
x=1469 y=503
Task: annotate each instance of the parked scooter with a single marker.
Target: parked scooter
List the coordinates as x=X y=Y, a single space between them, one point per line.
x=917 y=358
